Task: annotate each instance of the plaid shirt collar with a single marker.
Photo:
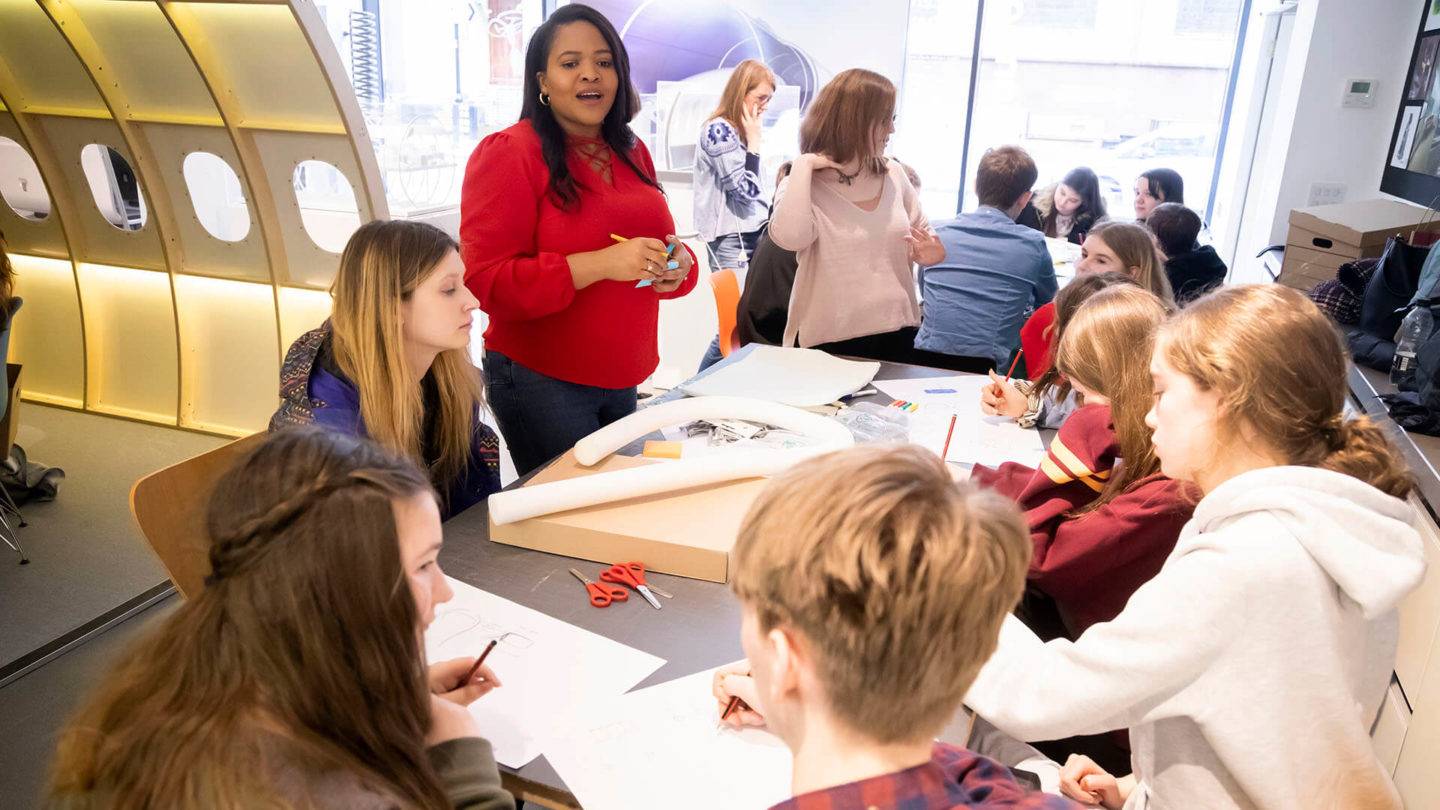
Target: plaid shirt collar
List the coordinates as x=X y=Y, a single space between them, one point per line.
x=953 y=778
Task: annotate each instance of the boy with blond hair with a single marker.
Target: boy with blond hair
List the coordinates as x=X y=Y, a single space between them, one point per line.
x=873 y=587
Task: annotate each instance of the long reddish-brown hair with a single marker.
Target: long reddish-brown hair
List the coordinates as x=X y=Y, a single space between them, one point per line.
x=746 y=76
x=842 y=120
x=1278 y=366
x=302 y=654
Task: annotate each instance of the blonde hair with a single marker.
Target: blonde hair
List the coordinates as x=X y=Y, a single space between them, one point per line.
x=842 y=120
x=382 y=265
x=1278 y=367
x=1106 y=348
x=874 y=554
x=746 y=76
x=1135 y=247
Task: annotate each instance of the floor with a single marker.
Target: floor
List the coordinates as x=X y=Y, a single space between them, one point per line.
x=86 y=555
x=35 y=706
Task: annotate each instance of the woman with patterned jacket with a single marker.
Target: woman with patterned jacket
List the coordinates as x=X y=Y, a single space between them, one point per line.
x=392 y=363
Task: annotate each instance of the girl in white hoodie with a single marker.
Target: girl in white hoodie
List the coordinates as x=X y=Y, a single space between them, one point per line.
x=1250 y=668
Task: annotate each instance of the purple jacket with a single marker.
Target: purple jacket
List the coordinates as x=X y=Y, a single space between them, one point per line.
x=311 y=393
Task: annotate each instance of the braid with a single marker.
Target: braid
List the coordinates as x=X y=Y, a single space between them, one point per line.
x=233 y=550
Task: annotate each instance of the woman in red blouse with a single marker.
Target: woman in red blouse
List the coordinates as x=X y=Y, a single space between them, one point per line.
x=571 y=334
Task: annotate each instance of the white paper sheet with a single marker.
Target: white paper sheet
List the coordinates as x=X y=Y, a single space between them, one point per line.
x=550 y=670
x=978 y=439
x=799 y=377
x=660 y=748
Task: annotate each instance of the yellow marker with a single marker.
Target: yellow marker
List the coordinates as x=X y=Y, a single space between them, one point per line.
x=657 y=449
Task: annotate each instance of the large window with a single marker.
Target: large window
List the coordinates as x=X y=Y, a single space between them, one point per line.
x=1117 y=85
x=1144 y=87
x=433 y=78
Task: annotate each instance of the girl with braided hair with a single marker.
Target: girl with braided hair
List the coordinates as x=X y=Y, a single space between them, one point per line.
x=297 y=678
x=393 y=364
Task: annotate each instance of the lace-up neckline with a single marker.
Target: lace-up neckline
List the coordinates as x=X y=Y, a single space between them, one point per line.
x=597 y=155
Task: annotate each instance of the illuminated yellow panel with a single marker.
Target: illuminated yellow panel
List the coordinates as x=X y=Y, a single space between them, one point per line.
x=46 y=335
x=301 y=311
x=285 y=88
x=130 y=338
x=44 y=69
x=231 y=373
x=150 y=65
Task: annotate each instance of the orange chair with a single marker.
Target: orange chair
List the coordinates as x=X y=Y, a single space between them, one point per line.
x=727 y=303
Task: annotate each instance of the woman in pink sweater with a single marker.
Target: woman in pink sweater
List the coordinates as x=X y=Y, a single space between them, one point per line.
x=854 y=220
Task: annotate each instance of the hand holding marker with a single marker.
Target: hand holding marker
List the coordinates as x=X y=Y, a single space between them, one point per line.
x=671 y=265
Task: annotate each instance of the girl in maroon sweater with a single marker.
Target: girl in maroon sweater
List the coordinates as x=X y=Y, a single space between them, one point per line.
x=1102 y=516
x=571 y=334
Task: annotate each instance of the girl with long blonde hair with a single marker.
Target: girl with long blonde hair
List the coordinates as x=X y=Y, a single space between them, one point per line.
x=392 y=363
x=1260 y=653
x=297 y=677
x=1102 y=515
x=730 y=200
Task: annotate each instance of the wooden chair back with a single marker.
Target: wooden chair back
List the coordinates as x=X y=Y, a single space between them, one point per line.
x=169 y=505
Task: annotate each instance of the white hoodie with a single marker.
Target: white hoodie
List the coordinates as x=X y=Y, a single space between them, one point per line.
x=1250 y=668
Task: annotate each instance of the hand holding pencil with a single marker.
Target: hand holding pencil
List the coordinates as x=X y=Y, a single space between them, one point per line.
x=1001 y=398
x=462 y=681
x=736 y=696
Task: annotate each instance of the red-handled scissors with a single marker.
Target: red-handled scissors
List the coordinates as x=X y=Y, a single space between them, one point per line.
x=633 y=575
x=601 y=595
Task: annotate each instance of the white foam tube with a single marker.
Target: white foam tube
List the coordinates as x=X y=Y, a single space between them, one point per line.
x=526 y=502
x=591 y=449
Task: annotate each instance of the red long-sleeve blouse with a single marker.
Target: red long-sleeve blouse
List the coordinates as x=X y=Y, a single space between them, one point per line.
x=515 y=240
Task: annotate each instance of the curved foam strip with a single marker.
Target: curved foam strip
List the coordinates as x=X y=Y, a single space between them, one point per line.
x=656 y=479
x=526 y=502
x=591 y=449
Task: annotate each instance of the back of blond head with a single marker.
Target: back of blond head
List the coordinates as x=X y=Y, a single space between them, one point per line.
x=895 y=575
x=1279 y=368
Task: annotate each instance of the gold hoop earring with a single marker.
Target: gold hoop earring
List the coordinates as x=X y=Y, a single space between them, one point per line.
x=544 y=99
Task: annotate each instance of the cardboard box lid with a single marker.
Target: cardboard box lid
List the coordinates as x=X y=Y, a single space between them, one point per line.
x=1365 y=222
x=687 y=533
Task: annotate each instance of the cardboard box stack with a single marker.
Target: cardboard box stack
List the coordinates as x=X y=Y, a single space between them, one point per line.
x=1323 y=237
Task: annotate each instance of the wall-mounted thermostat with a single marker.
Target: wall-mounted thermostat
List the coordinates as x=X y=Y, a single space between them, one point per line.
x=1359 y=93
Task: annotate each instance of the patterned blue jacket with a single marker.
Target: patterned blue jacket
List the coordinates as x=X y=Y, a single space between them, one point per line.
x=729 y=197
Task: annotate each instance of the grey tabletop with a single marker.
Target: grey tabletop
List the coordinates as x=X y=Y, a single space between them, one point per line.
x=1421 y=452
x=698 y=629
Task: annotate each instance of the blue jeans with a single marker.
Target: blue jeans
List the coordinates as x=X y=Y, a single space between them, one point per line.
x=542 y=417
x=730 y=251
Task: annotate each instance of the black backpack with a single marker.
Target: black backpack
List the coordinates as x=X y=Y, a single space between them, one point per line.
x=1387 y=300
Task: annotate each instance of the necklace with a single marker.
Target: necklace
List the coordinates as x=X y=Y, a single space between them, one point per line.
x=847 y=179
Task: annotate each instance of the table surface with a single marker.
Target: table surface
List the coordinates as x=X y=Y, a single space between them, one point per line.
x=696 y=630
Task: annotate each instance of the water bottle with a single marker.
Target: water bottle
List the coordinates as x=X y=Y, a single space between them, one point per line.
x=1414 y=330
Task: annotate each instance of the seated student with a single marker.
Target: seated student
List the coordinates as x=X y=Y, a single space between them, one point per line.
x=1068 y=209
x=393 y=362
x=1250 y=668
x=1122 y=246
x=765 y=298
x=1047 y=401
x=1156 y=186
x=1193 y=269
x=994 y=270
x=297 y=678
x=1102 y=515
x=849 y=568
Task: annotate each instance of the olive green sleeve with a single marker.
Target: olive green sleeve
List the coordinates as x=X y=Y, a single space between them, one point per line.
x=467 y=769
